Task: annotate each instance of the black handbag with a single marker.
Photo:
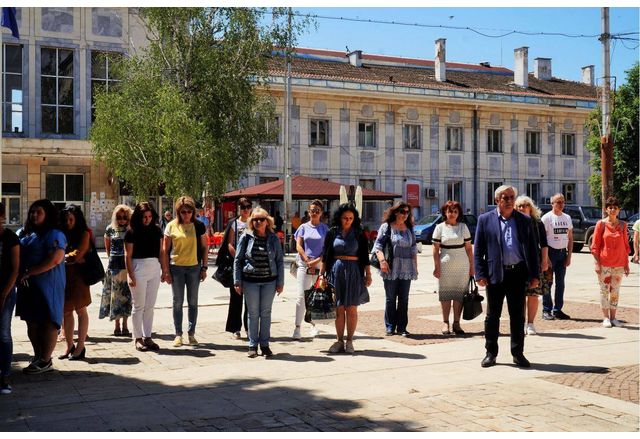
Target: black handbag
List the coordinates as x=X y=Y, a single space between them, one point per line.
x=387 y=250
x=92 y=270
x=319 y=301
x=224 y=275
x=471 y=301
x=224 y=261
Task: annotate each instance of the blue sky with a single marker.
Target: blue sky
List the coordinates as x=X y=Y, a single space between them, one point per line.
x=568 y=54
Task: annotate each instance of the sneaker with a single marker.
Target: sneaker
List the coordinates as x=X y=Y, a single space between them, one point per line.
x=177 y=342
x=193 y=341
x=617 y=323
x=237 y=335
x=296 y=333
x=606 y=323
x=531 y=330
x=560 y=315
x=253 y=352
x=349 y=347
x=546 y=315
x=5 y=389
x=313 y=331
x=336 y=347
x=38 y=367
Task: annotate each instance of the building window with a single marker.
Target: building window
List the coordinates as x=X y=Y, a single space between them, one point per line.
x=318 y=132
x=491 y=191
x=411 y=136
x=57 y=19
x=533 y=191
x=454 y=191
x=103 y=76
x=262 y=180
x=11 y=199
x=12 y=90
x=367 y=134
x=56 y=77
x=272 y=131
x=106 y=22
x=568 y=144
x=569 y=192
x=494 y=140
x=369 y=210
x=454 y=138
x=64 y=189
x=533 y=142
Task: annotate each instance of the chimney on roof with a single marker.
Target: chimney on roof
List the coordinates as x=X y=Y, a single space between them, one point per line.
x=542 y=68
x=521 y=70
x=355 y=58
x=441 y=57
x=587 y=75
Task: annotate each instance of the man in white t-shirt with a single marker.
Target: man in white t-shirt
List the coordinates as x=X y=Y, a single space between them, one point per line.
x=559 y=230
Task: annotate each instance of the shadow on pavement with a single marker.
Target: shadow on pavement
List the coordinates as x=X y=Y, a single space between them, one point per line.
x=100 y=401
x=566 y=368
x=560 y=335
x=284 y=356
x=390 y=354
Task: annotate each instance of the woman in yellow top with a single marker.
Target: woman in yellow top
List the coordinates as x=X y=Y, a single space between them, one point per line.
x=184 y=251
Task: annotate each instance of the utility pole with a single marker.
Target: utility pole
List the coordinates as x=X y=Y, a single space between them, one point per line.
x=287 y=201
x=606 y=145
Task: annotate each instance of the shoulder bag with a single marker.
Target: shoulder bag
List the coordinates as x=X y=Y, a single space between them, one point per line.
x=92 y=270
x=387 y=250
x=224 y=261
x=471 y=301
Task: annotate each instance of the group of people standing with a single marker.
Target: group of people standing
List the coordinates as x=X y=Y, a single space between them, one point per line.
x=516 y=254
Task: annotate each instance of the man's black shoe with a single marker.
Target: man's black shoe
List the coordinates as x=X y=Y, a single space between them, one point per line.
x=546 y=315
x=521 y=361
x=560 y=315
x=489 y=360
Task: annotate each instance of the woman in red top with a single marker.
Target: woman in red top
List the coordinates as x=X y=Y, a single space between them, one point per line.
x=610 y=249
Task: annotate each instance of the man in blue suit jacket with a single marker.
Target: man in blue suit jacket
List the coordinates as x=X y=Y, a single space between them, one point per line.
x=506 y=261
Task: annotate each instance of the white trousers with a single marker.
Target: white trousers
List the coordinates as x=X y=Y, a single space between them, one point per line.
x=147 y=272
x=304 y=282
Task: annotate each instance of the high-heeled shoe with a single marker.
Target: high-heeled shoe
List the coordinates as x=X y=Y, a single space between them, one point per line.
x=457 y=329
x=445 y=328
x=68 y=354
x=80 y=356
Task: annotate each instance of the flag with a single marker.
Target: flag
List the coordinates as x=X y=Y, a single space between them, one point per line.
x=9 y=21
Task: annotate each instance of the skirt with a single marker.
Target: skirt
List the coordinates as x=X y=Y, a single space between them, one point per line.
x=348 y=281
x=76 y=292
x=116 y=295
x=454 y=274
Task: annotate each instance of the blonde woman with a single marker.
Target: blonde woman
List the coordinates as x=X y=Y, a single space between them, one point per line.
x=184 y=251
x=116 y=295
x=526 y=205
x=259 y=274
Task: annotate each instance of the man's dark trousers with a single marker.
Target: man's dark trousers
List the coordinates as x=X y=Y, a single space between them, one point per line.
x=513 y=287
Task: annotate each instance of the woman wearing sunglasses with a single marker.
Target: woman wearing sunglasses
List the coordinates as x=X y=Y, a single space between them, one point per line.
x=309 y=244
x=453 y=261
x=259 y=274
x=116 y=295
x=235 y=229
x=397 y=232
x=184 y=251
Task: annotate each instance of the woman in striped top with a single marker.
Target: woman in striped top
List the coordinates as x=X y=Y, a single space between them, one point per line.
x=259 y=274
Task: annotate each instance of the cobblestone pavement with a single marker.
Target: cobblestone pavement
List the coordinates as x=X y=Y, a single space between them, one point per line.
x=577 y=380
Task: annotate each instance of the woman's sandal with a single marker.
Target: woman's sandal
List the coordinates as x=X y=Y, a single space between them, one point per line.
x=445 y=328
x=117 y=332
x=457 y=329
x=140 y=345
x=151 y=345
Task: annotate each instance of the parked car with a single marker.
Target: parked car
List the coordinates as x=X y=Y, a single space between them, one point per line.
x=426 y=225
x=584 y=219
x=630 y=222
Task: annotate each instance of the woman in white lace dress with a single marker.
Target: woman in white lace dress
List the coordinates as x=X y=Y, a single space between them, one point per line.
x=453 y=261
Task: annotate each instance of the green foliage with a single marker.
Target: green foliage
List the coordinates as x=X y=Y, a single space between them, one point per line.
x=189 y=111
x=624 y=132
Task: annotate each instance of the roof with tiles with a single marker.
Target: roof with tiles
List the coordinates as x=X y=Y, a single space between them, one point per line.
x=411 y=72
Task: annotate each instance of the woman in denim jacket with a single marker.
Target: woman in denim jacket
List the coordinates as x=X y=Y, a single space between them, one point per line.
x=258 y=273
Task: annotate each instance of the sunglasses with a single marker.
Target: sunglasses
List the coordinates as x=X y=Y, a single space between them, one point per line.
x=315 y=211
x=403 y=211
x=245 y=207
x=121 y=217
x=258 y=220
x=186 y=212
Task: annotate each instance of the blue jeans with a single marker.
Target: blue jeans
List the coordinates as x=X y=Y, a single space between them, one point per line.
x=396 y=314
x=557 y=258
x=190 y=277
x=6 y=343
x=258 y=297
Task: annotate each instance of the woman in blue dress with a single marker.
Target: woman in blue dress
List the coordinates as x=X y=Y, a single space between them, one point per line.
x=345 y=262
x=42 y=278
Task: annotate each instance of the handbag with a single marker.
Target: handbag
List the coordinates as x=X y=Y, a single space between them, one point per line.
x=293 y=269
x=386 y=250
x=224 y=261
x=224 y=275
x=319 y=301
x=471 y=301
x=92 y=270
